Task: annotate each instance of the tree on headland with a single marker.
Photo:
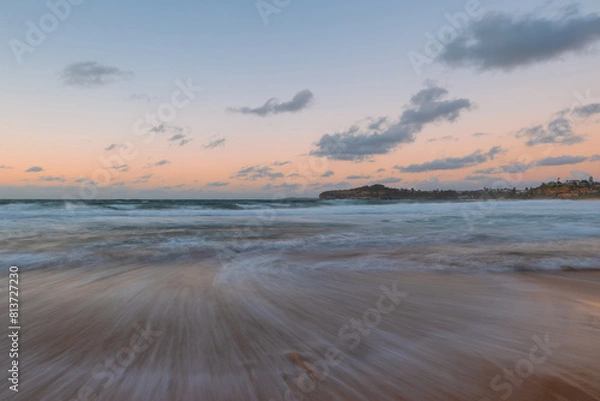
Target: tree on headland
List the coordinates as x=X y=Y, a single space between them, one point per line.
x=591 y=180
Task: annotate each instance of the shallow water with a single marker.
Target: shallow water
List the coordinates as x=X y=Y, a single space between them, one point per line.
x=480 y=236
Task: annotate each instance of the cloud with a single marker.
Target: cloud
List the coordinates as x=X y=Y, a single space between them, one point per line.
x=480 y=134
x=161 y=163
x=519 y=167
x=92 y=74
x=386 y=181
x=503 y=42
x=300 y=101
x=513 y=168
x=122 y=168
x=476 y=178
x=285 y=187
x=49 y=178
x=377 y=123
x=453 y=163
x=595 y=158
x=87 y=181
x=217 y=184
x=115 y=146
x=358 y=177
x=279 y=164
x=34 y=169
x=328 y=173
x=557 y=131
x=588 y=110
x=143 y=179
x=257 y=172
x=561 y=161
x=214 y=143
x=444 y=138
x=182 y=139
x=3 y=167
x=171 y=129
x=357 y=144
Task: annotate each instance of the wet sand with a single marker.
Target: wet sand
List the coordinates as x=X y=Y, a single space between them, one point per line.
x=197 y=333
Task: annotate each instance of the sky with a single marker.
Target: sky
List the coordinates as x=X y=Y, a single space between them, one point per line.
x=288 y=98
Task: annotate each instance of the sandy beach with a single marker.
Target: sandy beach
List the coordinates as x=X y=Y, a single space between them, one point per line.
x=188 y=333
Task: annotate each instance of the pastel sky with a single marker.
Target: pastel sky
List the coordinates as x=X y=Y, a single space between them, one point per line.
x=288 y=98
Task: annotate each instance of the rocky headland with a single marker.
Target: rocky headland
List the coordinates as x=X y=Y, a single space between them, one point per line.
x=574 y=189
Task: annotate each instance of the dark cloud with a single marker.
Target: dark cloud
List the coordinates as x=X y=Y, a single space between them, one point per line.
x=257 y=172
x=376 y=124
x=425 y=107
x=143 y=179
x=123 y=168
x=214 y=143
x=587 y=111
x=217 y=184
x=49 y=178
x=283 y=187
x=513 y=168
x=453 y=163
x=557 y=131
x=91 y=74
x=595 y=158
x=328 y=173
x=300 y=101
x=169 y=129
x=181 y=139
x=387 y=181
x=279 y=164
x=519 y=167
x=561 y=161
x=444 y=138
x=34 y=169
x=480 y=134
x=112 y=147
x=503 y=42
x=358 y=177
x=84 y=180
x=381 y=170
x=161 y=163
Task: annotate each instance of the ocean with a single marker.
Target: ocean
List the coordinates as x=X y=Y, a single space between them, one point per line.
x=295 y=235
x=228 y=300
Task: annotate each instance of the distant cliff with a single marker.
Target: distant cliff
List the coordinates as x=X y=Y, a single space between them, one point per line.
x=554 y=190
